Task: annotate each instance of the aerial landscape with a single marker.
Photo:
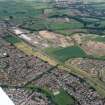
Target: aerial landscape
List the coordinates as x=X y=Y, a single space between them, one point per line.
x=52 y=52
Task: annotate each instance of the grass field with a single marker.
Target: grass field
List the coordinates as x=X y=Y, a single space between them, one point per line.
x=63 y=54
x=90 y=19
x=71 y=32
x=95 y=37
x=8 y=8
x=63 y=26
x=12 y=39
x=35 y=24
x=99 y=6
x=100 y=39
x=20 y=10
x=63 y=98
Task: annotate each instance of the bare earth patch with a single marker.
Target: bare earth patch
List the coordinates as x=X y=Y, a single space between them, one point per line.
x=96 y=48
x=54 y=38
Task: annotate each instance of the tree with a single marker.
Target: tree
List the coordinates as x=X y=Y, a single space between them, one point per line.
x=11 y=17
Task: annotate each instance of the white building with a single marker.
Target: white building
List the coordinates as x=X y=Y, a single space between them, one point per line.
x=4 y=99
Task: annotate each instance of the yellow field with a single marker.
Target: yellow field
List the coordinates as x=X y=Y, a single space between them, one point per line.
x=29 y=51
x=46 y=58
x=25 y=48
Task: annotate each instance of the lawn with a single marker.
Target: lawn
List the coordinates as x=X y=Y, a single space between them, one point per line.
x=63 y=98
x=63 y=54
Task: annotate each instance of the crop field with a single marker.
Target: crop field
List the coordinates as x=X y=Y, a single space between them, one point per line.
x=70 y=32
x=38 y=24
x=13 y=8
x=97 y=38
x=30 y=15
x=21 y=10
x=35 y=24
x=63 y=26
x=100 y=39
x=90 y=19
x=99 y=6
x=25 y=48
x=63 y=54
x=12 y=39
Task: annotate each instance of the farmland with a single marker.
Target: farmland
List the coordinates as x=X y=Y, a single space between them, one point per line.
x=63 y=54
x=35 y=24
x=64 y=26
x=69 y=39
x=100 y=39
x=31 y=16
x=12 y=39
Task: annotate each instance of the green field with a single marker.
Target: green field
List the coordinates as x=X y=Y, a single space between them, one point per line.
x=93 y=37
x=12 y=39
x=35 y=24
x=100 y=39
x=99 y=6
x=29 y=15
x=63 y=99
x=21 y=10
x=8 y=8
x=63 y=26
x=70 y=32
x=63 y=54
